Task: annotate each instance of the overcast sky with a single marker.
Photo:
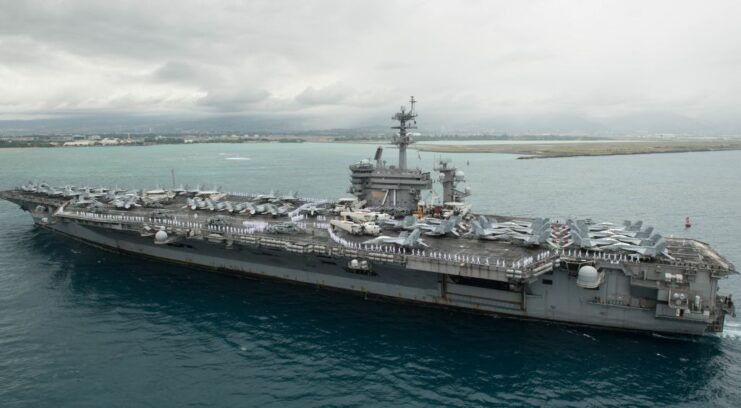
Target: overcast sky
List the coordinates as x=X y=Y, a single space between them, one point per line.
x=349 y=63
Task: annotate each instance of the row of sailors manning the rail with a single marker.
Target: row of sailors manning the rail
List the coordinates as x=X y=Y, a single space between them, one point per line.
x=405 y=244
x=631 y=237
x=385 y=246
x=214 y=224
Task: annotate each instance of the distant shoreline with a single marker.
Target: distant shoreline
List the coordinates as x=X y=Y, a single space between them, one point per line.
x=554 y=150
x=31 y=141
x=41 y=144
x=535 y=148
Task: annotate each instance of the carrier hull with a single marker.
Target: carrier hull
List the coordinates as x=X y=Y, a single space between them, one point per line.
x=559 y=300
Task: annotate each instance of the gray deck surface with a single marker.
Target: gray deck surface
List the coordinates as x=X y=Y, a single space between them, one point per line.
x=683 y=249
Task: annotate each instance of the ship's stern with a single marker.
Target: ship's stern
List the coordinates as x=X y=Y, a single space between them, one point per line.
x=724 y=306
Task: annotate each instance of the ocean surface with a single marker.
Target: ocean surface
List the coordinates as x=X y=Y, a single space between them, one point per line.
x=524 y=142
x=80 y=327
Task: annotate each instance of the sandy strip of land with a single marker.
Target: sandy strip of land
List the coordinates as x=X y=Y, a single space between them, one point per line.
x=549 y=150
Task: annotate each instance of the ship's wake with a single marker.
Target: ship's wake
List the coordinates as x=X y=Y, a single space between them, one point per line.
x=732 y=330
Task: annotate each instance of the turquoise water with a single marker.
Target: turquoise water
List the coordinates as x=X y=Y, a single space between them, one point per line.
x=84 y=328
x=525 y=142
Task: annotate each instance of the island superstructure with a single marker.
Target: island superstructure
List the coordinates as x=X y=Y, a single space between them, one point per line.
x=389 y=186
x=389 y=242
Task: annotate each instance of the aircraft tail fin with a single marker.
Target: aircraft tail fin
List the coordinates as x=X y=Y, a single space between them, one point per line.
x=411 y=239
x=484 y=222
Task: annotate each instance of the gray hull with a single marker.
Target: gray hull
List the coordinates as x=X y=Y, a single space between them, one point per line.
x=556 y=297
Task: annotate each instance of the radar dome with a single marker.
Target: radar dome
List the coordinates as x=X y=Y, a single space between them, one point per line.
x=460 y=175
x=160 y=236
x=588 y=277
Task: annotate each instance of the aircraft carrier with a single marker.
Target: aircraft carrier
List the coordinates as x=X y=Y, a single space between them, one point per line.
x=388 y=241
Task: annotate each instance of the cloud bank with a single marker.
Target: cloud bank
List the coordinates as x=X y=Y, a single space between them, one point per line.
x=500 y=65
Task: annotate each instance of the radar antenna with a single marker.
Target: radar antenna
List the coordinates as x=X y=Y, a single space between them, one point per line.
x=407 y=121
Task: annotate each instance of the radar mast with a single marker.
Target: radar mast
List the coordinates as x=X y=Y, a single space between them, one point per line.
x=407 y=121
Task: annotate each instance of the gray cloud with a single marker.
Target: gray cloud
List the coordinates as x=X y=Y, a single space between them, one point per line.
x=341 y=63
x=187 y=73
x=333 y=94
x=232 y=100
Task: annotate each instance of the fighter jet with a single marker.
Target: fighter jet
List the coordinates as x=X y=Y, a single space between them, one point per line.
x=404 y=240
x=275 y=211
x=197 y=203
x=98 y=192
x=628 y=239
x=150 y=203
x=69 y=192
x=109 y=196
x=483 y=229
x=266 y=198
x=314 y=209
x=520 y=232
x=223 y=206
x=30 y=187
x=43 y=188
x=291 y=197
x=245 y=207
x=95 y=205
x=409 y=223
x=594 y=235
x=52 y=191
x=651 y=247
x=126 y=202
x=82 y=200
x=260 y=209
x=444 y=228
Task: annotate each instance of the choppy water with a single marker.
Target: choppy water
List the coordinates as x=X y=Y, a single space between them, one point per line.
x=85 y=328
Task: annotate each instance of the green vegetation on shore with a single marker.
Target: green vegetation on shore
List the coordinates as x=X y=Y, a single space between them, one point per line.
x=137 y=141
x=550 y=150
